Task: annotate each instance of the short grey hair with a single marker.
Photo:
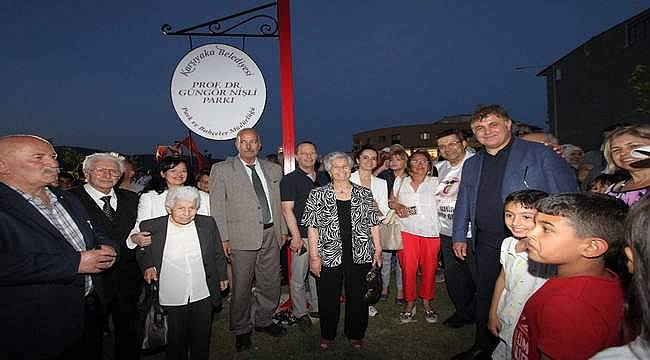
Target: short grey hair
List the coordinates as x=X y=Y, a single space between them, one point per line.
x=187 y=193
x=327 y=160
x=90 y=160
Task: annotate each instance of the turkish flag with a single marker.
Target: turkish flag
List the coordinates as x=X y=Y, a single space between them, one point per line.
x=161 y=151
x=201 y=161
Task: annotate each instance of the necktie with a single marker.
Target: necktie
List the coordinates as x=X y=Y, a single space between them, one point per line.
x=261 y=196
x=107 y=208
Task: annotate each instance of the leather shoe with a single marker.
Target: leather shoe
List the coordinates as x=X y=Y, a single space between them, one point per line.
x=274 y=330
x=475 y=352
x=457 y=321
x=243 y=342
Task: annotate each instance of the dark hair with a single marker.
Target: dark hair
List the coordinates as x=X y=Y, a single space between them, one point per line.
x=525 y=198
x=304 y=143
x=637 y=237
x=157 y=182
x=483 y=111
x=446 y=132
x=202 y=172
x=606 y=179
x=364 y=148
x=591 y=215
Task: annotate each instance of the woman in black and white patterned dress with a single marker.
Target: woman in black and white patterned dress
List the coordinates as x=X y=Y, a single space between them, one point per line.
x=343 y=245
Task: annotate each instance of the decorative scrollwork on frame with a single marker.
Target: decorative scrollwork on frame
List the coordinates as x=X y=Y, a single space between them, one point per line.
x=268 y=26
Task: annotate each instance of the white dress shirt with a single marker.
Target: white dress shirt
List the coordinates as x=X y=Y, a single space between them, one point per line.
x=182 y=276
x=152 y=205
x=379 y=189
x=97 y=196
x=260 y=173
x=425 y=221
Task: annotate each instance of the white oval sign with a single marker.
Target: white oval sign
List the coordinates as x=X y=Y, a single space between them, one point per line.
x=218 y=90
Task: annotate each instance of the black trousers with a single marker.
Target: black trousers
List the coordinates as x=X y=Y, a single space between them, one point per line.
x=188 y=329
x=123 y=310
x=331 y=280
x=458 y=279
x=485 y=266
x=90 y=345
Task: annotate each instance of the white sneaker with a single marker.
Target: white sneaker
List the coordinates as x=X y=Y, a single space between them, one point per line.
x=372 y=311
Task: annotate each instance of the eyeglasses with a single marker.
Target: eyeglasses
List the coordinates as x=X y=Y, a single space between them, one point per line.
x=449 y=144
x=111 y=172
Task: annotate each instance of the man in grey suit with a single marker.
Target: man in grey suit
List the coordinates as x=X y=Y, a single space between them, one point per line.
x=245 y=202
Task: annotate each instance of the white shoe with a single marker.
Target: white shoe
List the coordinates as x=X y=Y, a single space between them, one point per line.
x=372 y=311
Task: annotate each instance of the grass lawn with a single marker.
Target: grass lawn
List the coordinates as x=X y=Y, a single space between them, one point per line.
x=385 y=338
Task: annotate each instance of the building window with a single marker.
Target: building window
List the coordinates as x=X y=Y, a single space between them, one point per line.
x=395 y=139
x=638 y=31
x=381 y=138
x=558 y=73
x=425 y=136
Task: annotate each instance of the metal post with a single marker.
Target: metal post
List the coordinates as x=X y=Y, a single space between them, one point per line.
x=286 y=78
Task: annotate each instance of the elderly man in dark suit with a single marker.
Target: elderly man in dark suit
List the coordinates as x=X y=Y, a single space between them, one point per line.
x=50 y=296
x=114 y=211
x=245 y=202
x=506 y=164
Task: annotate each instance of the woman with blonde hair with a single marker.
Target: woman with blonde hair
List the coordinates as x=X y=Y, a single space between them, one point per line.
x=618 y=149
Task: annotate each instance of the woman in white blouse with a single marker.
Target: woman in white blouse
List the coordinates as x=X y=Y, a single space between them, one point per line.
x=415 y=203
x=172 y=174
x=366 y=159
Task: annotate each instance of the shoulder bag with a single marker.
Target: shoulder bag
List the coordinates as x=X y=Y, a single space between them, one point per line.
x=390 y=229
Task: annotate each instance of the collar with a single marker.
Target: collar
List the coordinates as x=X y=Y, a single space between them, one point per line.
x=29 y=197
x=173 y=225
x=505 y=148
x=98 y=195
x=256 y=163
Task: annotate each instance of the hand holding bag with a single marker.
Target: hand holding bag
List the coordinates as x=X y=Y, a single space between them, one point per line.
x=390 y=229
x=154 y=318
x=373 y=286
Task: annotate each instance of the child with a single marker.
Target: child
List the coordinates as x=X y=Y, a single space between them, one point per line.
x=578 y=312
x=637 y=310
x=518 y=279
x=602 y=182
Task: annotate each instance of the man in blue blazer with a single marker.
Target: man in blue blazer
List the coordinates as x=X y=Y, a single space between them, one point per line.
x=506 y=164
x=50 y=297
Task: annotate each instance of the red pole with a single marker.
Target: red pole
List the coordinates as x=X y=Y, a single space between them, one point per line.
x=286 y=79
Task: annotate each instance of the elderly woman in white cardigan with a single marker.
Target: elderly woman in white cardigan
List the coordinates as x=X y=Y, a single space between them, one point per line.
x=186 y=258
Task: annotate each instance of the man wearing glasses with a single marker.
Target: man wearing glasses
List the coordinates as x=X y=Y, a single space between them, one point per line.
x=114 y=211
x=458 y=279
x=506 y=164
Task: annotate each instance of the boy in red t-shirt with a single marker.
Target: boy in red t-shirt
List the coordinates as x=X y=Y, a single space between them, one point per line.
x=579 y=312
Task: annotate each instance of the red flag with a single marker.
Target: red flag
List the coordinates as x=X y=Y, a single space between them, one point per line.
x=201 y=161
x=161 y=151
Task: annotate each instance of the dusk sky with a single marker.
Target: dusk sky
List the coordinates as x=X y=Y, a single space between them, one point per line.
x=97 y=73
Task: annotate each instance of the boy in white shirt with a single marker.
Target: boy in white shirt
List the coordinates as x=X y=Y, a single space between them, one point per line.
x=519 y=277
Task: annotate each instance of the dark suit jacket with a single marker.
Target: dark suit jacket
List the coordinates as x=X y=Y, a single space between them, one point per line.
x=41 y=294
x=530 y=166
x=214 y=261
x=124 y=276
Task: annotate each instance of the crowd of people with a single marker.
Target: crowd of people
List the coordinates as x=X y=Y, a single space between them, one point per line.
x=539 y=249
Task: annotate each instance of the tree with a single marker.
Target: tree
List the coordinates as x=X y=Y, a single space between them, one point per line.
x=640 y=83
x=71 y=158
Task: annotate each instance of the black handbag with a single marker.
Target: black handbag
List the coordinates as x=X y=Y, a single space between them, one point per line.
x=373 y=286
x=153 y=318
